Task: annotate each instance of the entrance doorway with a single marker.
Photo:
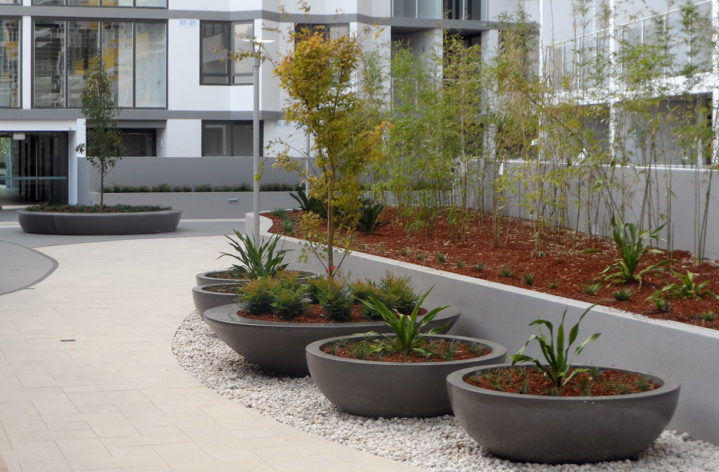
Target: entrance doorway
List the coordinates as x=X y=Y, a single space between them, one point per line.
x=33 y=168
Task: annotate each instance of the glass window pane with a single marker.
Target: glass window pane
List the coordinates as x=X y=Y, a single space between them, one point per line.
x=48 y=2
x=243 y=67
x=151 y=3
x=216 y=139
x=117 y=55
x=405 y=9
x=83 y=3
x=9 y=63
x=215 y=41
x=10 y=2
x=83 y=45
x=116 y=3
x=429 y=9
x=139 y=142
x=475 y=10
x=242 y=138
x=49 y=63
x=151 y=65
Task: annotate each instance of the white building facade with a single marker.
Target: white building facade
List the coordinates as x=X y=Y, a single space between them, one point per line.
x=186 y=109
x=183 y=102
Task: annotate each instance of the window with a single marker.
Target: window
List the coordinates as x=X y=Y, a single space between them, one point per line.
x=334 y=30
x=10 y=2
x=135 y=56
x=217 y=39
x=9 y=63
x=228 y=138
x=98 y=3
x=139 y=142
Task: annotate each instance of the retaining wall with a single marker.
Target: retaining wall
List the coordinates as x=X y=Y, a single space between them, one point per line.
x=502 y=313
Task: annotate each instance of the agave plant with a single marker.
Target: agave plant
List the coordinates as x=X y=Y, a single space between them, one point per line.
x=369 y=221
x=256 y=259
x=633 y=245
x=407 y=331
x=557 y=360
x=687 y=288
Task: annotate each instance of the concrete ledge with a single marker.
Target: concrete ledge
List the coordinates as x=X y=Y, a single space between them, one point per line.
x=682 y=353
x=144 y=222
x=201 y=204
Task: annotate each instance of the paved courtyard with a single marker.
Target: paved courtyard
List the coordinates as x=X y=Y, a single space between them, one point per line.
x=88 y=380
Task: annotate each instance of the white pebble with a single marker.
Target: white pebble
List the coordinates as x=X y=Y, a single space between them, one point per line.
x=436 y=444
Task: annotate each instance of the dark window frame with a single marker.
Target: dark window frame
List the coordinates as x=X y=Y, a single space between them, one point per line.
x=152 y=132
x=20 y=57
x=99 y=5
x=230 y=73
x=101 y=22
x=230 y=146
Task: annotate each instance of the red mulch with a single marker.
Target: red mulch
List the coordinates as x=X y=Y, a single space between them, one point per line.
x=437 y=347
x=563 y=264
x=609 y=382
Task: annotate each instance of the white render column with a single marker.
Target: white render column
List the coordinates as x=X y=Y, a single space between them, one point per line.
x=613 y=86
x=26 y=65
x=715 y=81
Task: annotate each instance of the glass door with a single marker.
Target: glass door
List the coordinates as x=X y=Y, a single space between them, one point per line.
x=33 y=168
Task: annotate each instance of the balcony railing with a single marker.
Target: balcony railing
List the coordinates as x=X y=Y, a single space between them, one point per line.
x=584 y=61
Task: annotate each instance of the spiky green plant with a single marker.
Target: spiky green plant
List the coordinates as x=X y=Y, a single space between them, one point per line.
x=557 y=360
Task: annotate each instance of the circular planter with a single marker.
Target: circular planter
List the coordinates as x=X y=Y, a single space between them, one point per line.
x=205 y=299
x=207 y=278
x=535 y=428
x=142 y=222
x=390 y=389
x=280 y=346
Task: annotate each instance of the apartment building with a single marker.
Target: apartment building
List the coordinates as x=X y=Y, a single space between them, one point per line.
x=184 y=104
x=186 y=109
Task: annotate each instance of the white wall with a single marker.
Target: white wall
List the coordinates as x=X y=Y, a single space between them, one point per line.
x=185 y=91
x=181 y=138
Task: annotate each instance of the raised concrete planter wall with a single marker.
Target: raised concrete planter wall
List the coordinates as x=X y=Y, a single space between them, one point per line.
x=179 y=171
x=201 y=204
x=502 y=313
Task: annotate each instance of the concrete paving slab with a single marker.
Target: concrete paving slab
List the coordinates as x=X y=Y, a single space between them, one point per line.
x=90 y=383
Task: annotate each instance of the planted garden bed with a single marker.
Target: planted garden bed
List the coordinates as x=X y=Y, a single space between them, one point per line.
x=566 y=263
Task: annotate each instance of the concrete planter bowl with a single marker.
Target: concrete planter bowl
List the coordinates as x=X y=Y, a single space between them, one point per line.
x=534 y=428
x=205 y=299
x=142 y=222
x=280 y=346
x=210 y=277
x=390 y=389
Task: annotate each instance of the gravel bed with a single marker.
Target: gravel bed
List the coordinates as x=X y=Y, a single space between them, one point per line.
x=437 y=444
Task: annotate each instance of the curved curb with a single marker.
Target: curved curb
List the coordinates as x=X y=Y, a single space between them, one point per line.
x=53 y=266
x=143 y=222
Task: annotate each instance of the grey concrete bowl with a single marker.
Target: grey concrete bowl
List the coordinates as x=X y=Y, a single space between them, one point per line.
x=534 y=428
x=205 y=299
x=390 y=389
x=207 y=278
x=280 y=346
x=143 y=222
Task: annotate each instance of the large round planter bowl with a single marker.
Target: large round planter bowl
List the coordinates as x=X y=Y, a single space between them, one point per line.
x=141 y=222
x=534 y=428
x=279 y=346
x=390 y=389
x=205 y=299
x=209 y=277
